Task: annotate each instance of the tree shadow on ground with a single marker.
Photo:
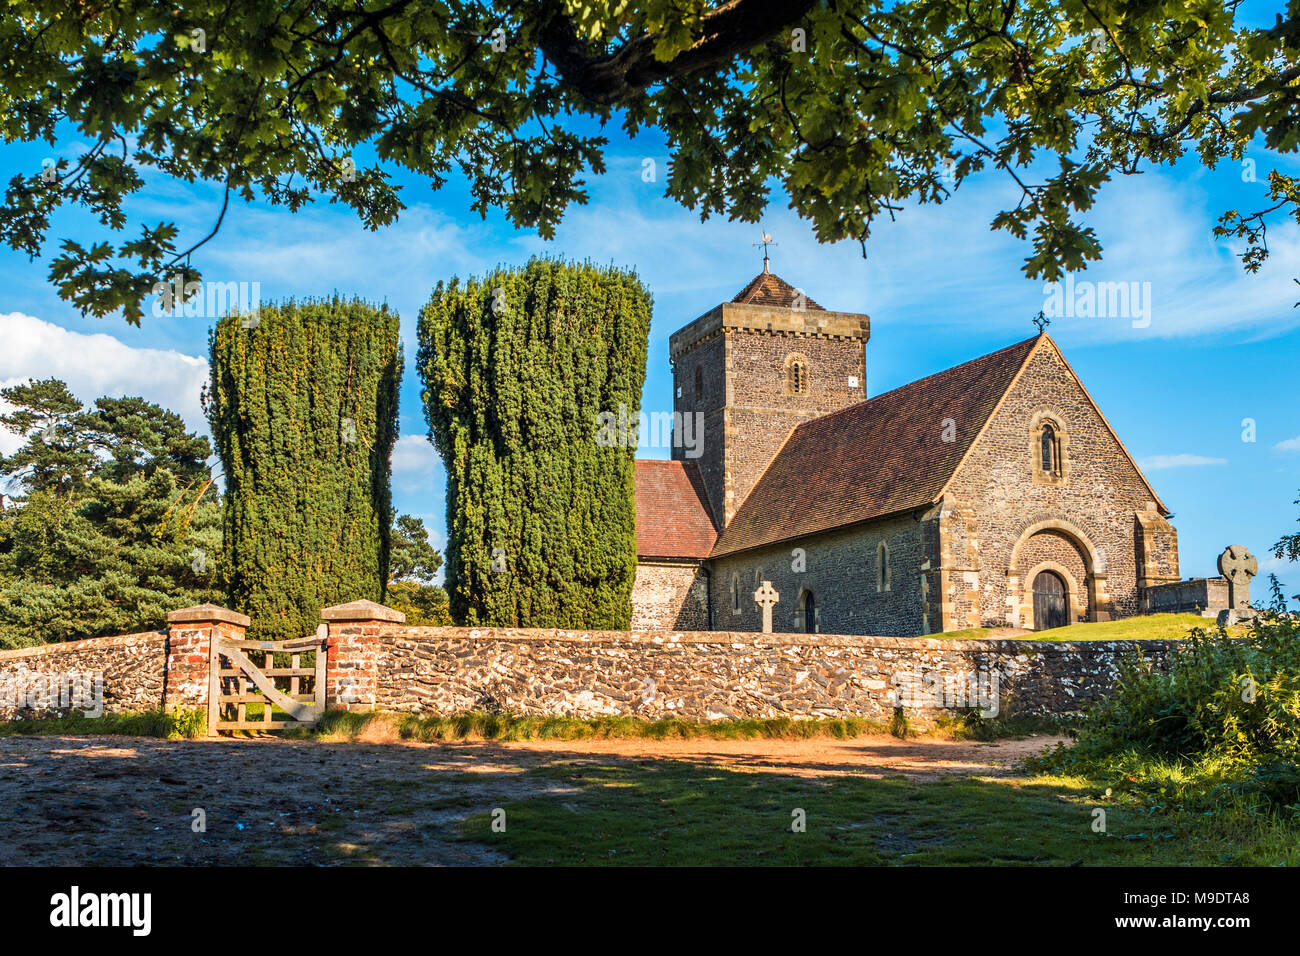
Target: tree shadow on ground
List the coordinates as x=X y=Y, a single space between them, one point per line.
x=132 y=801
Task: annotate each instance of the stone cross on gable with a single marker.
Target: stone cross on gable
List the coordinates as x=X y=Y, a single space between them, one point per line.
x=765 y=597
x=1238 y=565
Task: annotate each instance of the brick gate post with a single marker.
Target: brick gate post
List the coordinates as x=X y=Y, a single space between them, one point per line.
x=352 y=652
x=189 y=645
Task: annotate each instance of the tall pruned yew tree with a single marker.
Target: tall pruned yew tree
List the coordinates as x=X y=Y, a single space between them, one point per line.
x=303 y=408
x=517 y=368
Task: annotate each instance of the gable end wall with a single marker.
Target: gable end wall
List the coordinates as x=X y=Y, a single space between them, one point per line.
x=1101 y=496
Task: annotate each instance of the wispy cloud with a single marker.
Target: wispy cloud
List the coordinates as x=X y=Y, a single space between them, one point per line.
x=1288 y=444
x=1157 y=462
x=414 y=464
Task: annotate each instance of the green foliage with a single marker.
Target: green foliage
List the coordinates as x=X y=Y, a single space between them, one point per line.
x=412 y=557
x=853 y=108
x=375 y=725
x=425 y=605
x=1222 y=723
x=175 y=725
x=411 y=570
x=517 y=367
x=303 y=409
x=56 y=456
x=119 y=523
x=1288 y=546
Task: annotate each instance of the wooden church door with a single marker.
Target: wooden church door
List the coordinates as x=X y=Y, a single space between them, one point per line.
x=1049 y=601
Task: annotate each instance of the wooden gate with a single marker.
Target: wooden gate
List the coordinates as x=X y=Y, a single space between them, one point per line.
x=292 y=696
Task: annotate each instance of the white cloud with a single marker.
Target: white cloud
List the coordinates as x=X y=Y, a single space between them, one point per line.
x=942 y=266
x=1156 y=462
x=414 y=455
x=1288 y=444
x=1272 y=565
x=96 y=365
x=414 y=463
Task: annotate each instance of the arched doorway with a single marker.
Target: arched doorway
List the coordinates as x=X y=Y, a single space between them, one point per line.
x=1051 y=601
x=1054 y=544
x=809 y=613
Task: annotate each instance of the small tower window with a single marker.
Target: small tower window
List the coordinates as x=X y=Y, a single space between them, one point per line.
x=796 y=375
x=699 y=383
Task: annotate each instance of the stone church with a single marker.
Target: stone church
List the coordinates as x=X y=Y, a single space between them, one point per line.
x=994 y=493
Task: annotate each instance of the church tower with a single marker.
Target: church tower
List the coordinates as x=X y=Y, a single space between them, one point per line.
x=756 y=367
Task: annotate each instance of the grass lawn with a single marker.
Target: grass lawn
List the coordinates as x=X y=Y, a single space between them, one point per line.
x=670 y=812
x=1146 y=627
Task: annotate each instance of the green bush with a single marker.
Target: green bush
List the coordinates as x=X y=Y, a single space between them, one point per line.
x=1221 y=722
x=175 y=724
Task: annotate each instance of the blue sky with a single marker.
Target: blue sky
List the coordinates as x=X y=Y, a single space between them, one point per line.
x=1221 y=346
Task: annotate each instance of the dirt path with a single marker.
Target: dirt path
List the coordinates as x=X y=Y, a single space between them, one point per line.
x=130 y=801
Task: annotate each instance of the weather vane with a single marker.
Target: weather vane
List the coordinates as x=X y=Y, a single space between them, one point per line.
x=1042 y=321
x=766 y=241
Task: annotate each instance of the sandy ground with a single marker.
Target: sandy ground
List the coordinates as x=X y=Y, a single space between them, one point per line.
x=122 y=801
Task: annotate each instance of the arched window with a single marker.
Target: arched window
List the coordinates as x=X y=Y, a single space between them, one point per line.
x=1049 y=450
x=699 y=383
x=882 y=567
x=809 y=613
x=796 y=375
x=1049 y=443
x=735 y=593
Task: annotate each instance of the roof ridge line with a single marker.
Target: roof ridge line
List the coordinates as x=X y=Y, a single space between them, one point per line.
x=917 y=381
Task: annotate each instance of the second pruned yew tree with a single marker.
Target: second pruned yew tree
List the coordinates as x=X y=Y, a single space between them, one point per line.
x=303 y=408
x=517 y=368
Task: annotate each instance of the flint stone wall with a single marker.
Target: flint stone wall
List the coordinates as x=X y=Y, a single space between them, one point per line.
x=712 y=675
x=134 y=670
x=696 y=675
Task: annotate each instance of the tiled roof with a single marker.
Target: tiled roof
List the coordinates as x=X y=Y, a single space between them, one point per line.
x=875 y=458
x=673 y=518
x=768 y=288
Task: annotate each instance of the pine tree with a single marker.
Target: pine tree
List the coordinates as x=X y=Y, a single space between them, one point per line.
x=411 y=571
x=303 y=408
x=517 y=369
x=118 y=520
x=56 y=456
